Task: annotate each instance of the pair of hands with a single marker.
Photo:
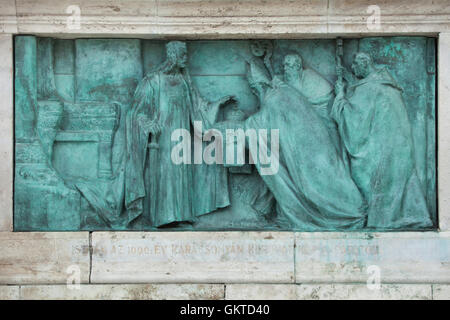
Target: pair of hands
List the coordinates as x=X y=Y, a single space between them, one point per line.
x=227 y=99
x=339 y=89
x=154 y=127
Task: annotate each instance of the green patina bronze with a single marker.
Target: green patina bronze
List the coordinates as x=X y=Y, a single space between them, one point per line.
x=108 y=133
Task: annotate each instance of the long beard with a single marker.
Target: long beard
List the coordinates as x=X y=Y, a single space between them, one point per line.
x=291 y=76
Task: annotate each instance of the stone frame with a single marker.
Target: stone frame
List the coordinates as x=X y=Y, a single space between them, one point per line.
x=239 y=257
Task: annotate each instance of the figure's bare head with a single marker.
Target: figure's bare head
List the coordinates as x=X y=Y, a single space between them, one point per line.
x=177 y=53
x=362 y=65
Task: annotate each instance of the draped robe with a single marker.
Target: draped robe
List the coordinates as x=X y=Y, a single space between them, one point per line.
x=377 y=136
x=154 y=185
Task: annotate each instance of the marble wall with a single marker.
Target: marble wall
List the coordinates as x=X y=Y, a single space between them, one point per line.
x=38 y=265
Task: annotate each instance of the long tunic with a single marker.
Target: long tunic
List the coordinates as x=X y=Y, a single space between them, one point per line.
x=312 y=187
x=375 y=130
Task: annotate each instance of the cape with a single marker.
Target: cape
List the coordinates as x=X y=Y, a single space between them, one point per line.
x=376 y=134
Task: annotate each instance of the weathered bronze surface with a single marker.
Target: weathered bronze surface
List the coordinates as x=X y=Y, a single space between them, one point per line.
x=129 y=134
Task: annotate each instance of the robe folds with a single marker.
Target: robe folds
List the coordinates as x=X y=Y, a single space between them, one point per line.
x=320 y=94
x=155 y=186
x=376 y=134
x=313 y=188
